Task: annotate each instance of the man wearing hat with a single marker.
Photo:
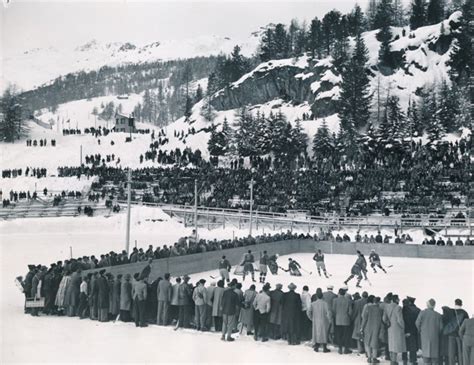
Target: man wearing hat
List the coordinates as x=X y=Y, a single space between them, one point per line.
x=410 y=313
x=184 y=302
x=291 y=309
x=103 y=296
x=467 y=336
x=139 y=294
x=229 y=304
x=342 y=310
x=262 y=306
x=452 y=330
x=200 y=300
x=430 y=325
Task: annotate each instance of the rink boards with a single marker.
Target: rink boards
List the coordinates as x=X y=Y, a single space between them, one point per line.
x=188 y=264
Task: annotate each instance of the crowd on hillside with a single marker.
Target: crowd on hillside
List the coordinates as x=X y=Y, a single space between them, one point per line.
x=40 y=143
x=359 y=322
x=29 y=171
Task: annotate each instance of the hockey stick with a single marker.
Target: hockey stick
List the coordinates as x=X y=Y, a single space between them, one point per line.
x=389 y=266
x=213 y=277
x=285 y=270
x=177 y=325
x=306 y=271
x=117 y=318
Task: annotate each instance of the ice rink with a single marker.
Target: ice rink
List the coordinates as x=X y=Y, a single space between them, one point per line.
x=70 y=340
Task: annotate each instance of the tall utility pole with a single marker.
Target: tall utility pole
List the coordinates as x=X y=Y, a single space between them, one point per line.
x=196 y=209
x=251 y=206
x=129 y=203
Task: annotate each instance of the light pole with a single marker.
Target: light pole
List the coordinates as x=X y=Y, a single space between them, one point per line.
x=129 y=200
x=251 y=206
x=195 y=210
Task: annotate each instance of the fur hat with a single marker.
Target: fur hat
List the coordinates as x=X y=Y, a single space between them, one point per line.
x=292 y=286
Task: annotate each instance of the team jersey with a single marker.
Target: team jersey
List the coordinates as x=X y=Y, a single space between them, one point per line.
x=248 y=258
x=361 y=262
x=264 y=260
x=374 y=257
x=293 y=265
x=318 y=257
x=224 y=264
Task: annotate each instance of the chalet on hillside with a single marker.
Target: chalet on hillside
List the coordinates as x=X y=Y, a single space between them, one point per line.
x=124 y=123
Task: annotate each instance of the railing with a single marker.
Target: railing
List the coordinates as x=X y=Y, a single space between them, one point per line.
x=424 y=221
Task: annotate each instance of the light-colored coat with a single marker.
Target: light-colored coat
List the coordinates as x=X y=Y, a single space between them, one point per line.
x=430 y=325
x=216 y=302
x=371 y=321
x=342 y=310
x=163 y=291
x=200 y=295
x=246 y=314
x=396 y=331
x=262 y=303
x=320 y=314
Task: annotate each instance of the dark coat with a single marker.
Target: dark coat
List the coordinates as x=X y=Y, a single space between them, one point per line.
x=75 y=289
x=126 y=295
x=275 y=311
x=291 y=309
x=356 y=317
x=230 y=302
x=410 y=314
x=115 y=308
x=103 y=292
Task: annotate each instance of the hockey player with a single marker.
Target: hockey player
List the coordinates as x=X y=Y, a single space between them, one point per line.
x=248 y=265
x=224 y=268
x=374 y=259
x=294 y=267
x=359 y=269
x=319 y=258
x=263 y=266
x=272 y=264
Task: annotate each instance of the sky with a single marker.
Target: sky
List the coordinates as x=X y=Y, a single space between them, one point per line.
x=30 y=24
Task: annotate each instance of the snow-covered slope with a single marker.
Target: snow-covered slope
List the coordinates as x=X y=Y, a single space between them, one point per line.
x=38 y=66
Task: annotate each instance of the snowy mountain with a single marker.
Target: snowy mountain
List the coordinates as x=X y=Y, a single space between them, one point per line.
x=38 y=66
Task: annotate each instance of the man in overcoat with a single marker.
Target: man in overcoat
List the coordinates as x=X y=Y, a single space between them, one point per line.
x=430 y=325
x=291 y=311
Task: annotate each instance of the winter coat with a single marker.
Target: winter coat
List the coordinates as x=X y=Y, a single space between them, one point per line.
x=139 y=290
x=291 y=312
x=164 y=291
x=321 y=316
x=467 y=332
x=200 y=295
x=342 y=310
x=262 y=302
x=246 y=314
x=371 y=322
x=393 y=318
x=34 y=286
x=216 y=302
x=175 y=294
x=275 y=311
x=210 y=294
x=356 y=317
x=126 y=296
x=61 y=294
x=75 y=289
x=115 y=308
x=328 y=297
x=184 y=294
x=410 y=314
x=429 y=324
x=230 y=302
x=103 y=294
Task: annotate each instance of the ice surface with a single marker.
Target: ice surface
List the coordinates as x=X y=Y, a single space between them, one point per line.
x=48 y=339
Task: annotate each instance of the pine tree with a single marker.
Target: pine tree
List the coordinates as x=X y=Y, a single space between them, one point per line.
x=418 y=14
x=397 y=127
x=217 y=143
x=323 y=144
x=414 y=127
x=461 y=59
x=372 y=13
x=199 y=93
x=385 y=36
x=244 y=136
x=267 y=45
x=299 y=139
x=398 y=14
x=12 y=125
x=385 y=15
x=315 y=41
x=447 y=107
x=355 y=98
x=356 y=21
x=435 y=11
x=329 y=27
